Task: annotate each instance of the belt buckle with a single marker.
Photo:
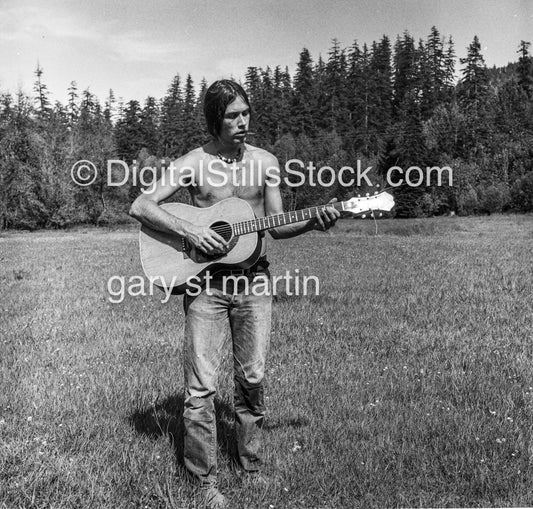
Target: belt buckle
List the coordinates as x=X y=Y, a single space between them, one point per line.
x=237 y=272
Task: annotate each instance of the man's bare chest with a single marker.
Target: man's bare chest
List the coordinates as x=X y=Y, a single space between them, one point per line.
x=219 y=180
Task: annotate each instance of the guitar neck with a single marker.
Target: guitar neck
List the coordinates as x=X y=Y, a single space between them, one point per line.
x=268 y=222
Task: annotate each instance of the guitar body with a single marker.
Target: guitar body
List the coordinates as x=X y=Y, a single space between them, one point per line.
x=170 y=262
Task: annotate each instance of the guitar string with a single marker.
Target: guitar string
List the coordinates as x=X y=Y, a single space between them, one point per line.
x=283 y=216
x=220 y=229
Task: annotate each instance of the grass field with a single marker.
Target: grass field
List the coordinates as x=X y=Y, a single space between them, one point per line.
x=408 y=381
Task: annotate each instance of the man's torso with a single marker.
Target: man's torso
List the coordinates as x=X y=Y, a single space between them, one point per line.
x=214 y=180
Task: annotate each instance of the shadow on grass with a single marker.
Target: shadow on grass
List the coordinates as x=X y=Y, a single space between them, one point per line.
x=166 y=418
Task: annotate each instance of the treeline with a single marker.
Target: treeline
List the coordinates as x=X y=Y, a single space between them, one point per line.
x=388 y=104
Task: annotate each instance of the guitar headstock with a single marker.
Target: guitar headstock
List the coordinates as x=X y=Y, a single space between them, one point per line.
x=382 y=202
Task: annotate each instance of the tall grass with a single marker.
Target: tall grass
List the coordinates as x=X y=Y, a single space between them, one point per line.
x=408 y=381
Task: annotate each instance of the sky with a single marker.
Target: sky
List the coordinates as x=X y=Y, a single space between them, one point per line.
x=136 y=47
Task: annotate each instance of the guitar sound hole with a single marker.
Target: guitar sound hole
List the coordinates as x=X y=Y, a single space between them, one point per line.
x=223 y=229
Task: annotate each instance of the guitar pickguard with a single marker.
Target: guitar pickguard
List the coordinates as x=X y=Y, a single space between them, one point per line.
x=200 y=257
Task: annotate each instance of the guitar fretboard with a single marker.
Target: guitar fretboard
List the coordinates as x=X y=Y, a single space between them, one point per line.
x=267 y=222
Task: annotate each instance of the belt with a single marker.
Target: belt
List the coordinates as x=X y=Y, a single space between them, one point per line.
x=261 y=266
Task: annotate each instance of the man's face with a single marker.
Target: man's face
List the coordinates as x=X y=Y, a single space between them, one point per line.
x=235 y=122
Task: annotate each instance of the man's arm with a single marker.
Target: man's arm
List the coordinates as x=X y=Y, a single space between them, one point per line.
x=324 y=219
x=147 y=211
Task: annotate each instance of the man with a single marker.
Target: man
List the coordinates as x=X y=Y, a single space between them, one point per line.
x=226 y=166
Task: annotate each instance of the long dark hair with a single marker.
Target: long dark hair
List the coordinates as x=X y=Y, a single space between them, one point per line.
x=216 y=100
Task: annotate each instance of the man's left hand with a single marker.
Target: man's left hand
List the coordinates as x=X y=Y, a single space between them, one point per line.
x=326 y=217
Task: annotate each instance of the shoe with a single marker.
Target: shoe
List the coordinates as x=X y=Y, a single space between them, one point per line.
x=213 y=499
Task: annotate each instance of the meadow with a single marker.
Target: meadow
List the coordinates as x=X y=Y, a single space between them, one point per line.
x=406 y=382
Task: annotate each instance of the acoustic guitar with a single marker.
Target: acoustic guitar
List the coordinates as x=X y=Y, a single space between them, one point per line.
x=170 y=261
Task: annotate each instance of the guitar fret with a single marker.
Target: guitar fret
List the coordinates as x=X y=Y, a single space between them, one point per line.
x=273 y=221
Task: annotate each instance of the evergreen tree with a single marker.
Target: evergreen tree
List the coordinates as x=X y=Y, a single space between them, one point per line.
x=109 y=109
x=193 y=132
x=254 y=90
x=358 y=91
x=406 y=72
x=171 y=142
x=148 y=124
x=449 y=70
x=72 y=107
x=203 y=135
x=525 y=69
x=87 y=111
x=253 y=84
x=379 y=95
x=129 y=133
x=436 y=72
x=473 y=88
x=304 y=99
x=42 y=96
x=335 y=114
x=281 y=102
x=322 y=116
x=268 y=122
x=475 y=98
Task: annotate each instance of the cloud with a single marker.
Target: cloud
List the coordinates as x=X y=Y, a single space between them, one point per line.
x=31 y=24
x=135 y=46
x=27 y=24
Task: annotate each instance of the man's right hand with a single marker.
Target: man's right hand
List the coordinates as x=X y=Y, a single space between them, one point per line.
x=206 y=240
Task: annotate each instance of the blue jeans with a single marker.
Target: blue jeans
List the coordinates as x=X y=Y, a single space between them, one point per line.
x=207 y=318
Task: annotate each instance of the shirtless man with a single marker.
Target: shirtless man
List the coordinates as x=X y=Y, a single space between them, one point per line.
x=226 y=166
